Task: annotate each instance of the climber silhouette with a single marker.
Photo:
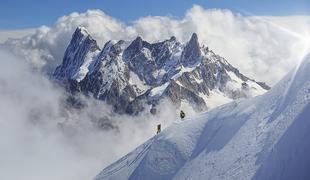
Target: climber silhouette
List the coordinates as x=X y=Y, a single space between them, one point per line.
x=182 y=114
x=158 y=128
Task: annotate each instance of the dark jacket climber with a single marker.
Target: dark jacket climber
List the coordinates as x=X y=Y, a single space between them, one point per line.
x=158 y=128
x=182 y=114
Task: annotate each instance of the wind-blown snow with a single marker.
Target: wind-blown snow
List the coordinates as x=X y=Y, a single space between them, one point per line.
x=265 y=137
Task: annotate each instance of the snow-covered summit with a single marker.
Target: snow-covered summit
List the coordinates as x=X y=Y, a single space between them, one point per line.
x=80 y=53
x=82 y=30
x=134 y=76
x=265 y=137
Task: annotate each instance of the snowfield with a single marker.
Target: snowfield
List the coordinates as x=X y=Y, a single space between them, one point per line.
x=266 y=137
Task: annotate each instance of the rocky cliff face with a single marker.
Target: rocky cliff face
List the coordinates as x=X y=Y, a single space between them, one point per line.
x=78 y=56
x=135 y=76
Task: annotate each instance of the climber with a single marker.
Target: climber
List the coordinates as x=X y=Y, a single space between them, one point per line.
x=158 y=128
x=182 y=114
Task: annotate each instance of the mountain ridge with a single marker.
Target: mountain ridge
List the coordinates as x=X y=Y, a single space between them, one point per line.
x=135 y=76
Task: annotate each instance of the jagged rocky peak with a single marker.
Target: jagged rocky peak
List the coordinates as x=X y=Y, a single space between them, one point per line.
x=78 y=55
x=191 y=53
x=81 y=30
x=155 y=58
x=133 y=75
x=162 y=51
x=135 y=47
x=112 y=47
x=82 y=37
x=110 y=61
x=118 y=47
x=154 y=51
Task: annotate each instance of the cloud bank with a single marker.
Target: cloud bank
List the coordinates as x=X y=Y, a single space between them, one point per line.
x=40 y=139
x=264 y=48
x=8 y=34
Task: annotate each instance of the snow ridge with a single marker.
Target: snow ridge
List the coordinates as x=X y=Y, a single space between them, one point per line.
x=265 y=137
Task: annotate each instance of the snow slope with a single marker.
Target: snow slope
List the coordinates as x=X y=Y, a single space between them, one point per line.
x=266 y=137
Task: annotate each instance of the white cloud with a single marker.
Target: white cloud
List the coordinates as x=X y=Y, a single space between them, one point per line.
x=19 y=33
x=261 y=47
x=40 y=139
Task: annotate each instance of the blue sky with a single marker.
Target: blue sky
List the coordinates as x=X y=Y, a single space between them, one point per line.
x=16 y=14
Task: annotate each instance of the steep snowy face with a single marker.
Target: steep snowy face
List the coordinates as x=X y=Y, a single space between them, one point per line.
x=108 y=68
x=289 y=157
x=79 y=55
x=140 y=60
x=261 y=138
x=110 y=78
x=134 y=75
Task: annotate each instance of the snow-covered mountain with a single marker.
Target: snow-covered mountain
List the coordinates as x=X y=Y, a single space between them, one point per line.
x=265 y=137
x=78 y=56
x=134 y=75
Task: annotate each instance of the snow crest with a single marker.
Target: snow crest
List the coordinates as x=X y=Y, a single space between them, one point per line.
x=265 y=137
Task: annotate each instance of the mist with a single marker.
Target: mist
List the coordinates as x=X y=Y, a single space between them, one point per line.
x=41 y=139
